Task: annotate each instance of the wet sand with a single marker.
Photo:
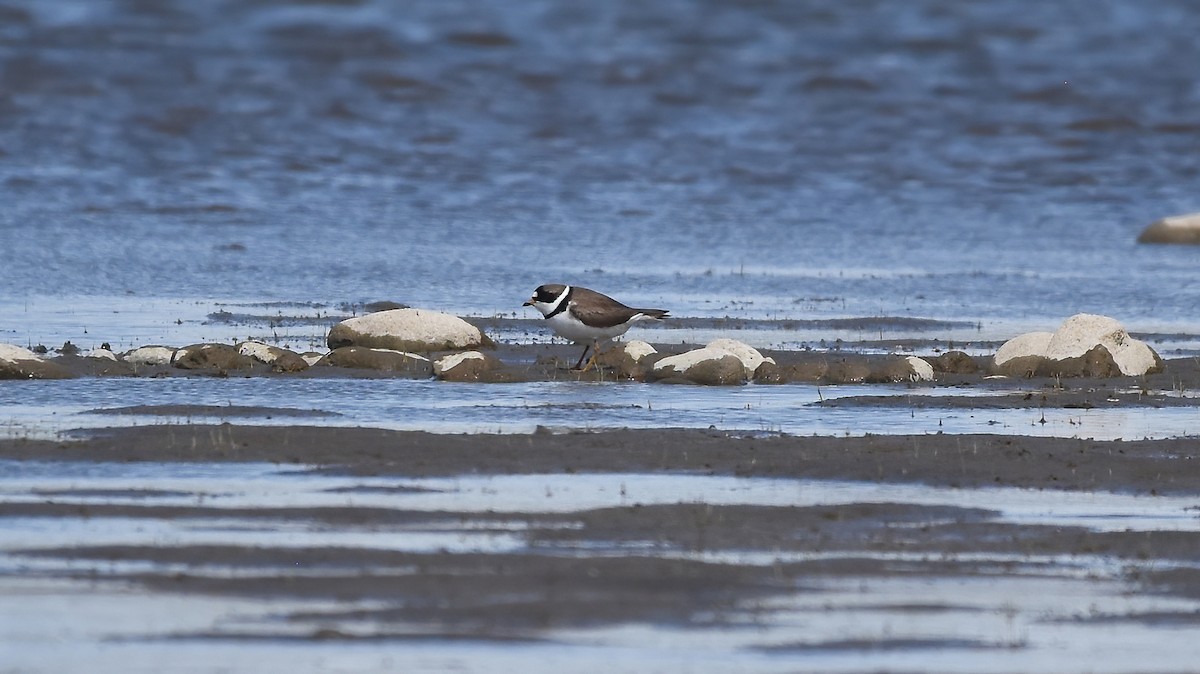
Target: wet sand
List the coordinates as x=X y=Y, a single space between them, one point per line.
x=965 y=461
x=690 y=566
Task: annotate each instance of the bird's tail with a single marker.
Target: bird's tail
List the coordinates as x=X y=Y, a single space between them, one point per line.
x=653 y=313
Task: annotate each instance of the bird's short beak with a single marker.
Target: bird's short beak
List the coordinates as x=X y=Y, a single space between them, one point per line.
x=528 y=304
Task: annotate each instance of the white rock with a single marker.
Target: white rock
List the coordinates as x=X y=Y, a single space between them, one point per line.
x=708 y=365
x=683 y=361
x=1083 y=332
x=749 y=355
x=12 y=353
x=1078 y=335
x=1028 y=344
x=259 y=351
x=311 y=357
x=454 y=360
x=406 y=330
x=1183 y=229
x=637 y=350
x=922 y=370
x=149 y=355
x=20 y=363
x=101 y=353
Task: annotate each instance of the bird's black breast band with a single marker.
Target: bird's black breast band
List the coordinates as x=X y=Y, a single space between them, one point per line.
x=562 y=306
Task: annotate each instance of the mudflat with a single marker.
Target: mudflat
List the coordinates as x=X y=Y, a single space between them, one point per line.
x=1148 y=466
x=690 y=564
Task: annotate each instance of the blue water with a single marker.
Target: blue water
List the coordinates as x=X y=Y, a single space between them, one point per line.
x=989 y=162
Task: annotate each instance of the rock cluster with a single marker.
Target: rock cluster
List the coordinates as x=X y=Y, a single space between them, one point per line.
x=1085 y=345
x=447 y=348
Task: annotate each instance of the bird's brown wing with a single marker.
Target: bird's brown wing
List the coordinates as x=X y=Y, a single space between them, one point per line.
x=602 y=311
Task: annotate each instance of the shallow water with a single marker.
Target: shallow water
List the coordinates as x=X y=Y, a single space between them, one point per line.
x=47 y=408
x=266 y=486
x=936 y=159
x=1026 y=618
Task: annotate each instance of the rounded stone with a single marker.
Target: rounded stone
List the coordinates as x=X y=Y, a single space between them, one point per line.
x=149 y=355
x=909 y=368
x=1021 y=346
x=708 y=366
x=280 y=359
x=1081 y=333
x=768 y=372
x=1060 y=353
x=220 y=357
x=921 y=369
x=1177 y=229
x=418 y=330
x=750 y=356
x=383 y=360
x=631 y=360
x=466 y=366
x=21 y=363
x=955 y=362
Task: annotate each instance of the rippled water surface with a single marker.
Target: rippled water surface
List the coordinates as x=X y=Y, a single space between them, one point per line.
x=989 y=162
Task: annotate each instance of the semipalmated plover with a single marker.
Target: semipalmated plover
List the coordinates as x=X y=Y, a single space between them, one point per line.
x=583 y=315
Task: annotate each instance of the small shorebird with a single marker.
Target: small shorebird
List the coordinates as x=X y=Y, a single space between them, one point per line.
x=583 y=315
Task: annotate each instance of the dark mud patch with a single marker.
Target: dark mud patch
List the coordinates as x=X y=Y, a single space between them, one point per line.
x=227 y=411
x=380 y=489
x=109 y=493
x=319 y=634
x=882 y=644
x=855 y=530
x=616 y=566
x=332 y=516
x=498 y=595
x=1171 y=619
x=1145 y=466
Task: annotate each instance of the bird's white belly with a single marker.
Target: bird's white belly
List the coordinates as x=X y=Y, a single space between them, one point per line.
x=568 y=326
